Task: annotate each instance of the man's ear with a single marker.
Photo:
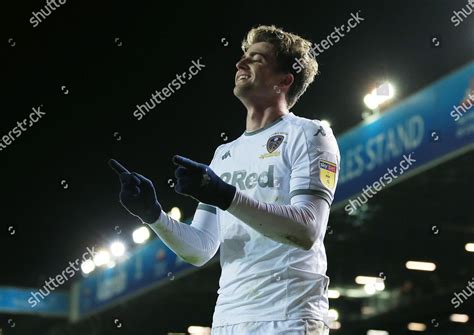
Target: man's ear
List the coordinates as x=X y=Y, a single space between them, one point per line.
x=287 y=80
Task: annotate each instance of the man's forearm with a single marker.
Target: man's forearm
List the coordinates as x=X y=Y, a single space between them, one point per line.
x=190 y=242
x=298 y=224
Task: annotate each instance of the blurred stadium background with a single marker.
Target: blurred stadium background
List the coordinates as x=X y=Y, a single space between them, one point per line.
x=388 y=88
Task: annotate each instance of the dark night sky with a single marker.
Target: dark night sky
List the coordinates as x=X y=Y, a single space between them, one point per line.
x=76 y=47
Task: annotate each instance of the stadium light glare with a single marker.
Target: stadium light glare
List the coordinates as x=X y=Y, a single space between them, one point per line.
x=384 y=91
x=326 y=123
x=175 y=213
x=370 y=289
x=362 y=280
x=102 y=257
x=333 y=314
x=370 y=101
x=335 y=325
x=469 y=247
x=379 y=95
x=117 y=248
x=198 y=330
x=379 y=286
x=462 y=318
x=87 y=266
x=416 y=327
x=360 y=293
x=377 y=332
x=140 y=235
x=333 y=294
x=420 y=266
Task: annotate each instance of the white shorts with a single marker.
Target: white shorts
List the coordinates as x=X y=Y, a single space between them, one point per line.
x=286 y=327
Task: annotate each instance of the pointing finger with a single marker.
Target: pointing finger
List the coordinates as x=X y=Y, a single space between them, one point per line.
x=186 y=162
x=117 y=167
x=129 y=179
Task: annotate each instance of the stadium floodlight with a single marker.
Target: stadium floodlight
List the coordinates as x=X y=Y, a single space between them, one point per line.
x=379 y=95
x=117 y=248
x=102 y=257
x=335 y=325
x=198 y=330
x=362 y=280
x=420 y=266
x=333 y=294
x=469 y=247
x=416 y=327
x=175 y=213
x=370 y=289
x=377 y=332
x=87 y=266
x=333 y=314
x=355 y=293
x=325 y=123
x=370 y=101
x=462 y=318
x=140 y=235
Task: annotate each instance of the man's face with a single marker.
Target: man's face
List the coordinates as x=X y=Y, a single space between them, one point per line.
x=257 y=73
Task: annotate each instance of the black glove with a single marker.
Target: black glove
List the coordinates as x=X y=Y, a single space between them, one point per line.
x=201 y=183
x=137 y=194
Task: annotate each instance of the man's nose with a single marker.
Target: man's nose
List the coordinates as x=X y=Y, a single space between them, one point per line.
x=241 y=64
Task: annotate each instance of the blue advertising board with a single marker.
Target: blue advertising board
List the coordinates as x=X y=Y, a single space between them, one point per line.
x=425 y=125
x=150 y=265
x=15 y=300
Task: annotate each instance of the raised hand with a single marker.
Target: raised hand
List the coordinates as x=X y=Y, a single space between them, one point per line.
x=137 y=194
x=201 y=183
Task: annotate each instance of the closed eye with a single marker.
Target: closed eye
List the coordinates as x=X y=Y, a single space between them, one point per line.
x=256 y=56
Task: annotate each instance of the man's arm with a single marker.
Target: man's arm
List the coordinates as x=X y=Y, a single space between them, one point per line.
x=313 y=156
x=196 y=243
x=314 y=161
x=298 y=224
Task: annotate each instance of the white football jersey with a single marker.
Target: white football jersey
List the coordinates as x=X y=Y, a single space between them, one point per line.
x=261 y=279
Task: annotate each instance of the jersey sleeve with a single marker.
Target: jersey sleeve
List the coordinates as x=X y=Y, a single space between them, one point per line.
x=196 y=243
x=315 y=161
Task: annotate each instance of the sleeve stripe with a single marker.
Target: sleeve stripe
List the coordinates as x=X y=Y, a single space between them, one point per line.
x=208 y=208
x=318 y=193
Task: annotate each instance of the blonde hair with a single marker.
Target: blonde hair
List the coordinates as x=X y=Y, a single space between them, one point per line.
x=288 y=47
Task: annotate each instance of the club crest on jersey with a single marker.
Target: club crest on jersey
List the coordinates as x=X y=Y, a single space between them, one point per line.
x=327 y=173
x=274 y=142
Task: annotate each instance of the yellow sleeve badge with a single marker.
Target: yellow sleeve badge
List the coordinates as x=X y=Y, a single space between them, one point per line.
x=327 y=173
